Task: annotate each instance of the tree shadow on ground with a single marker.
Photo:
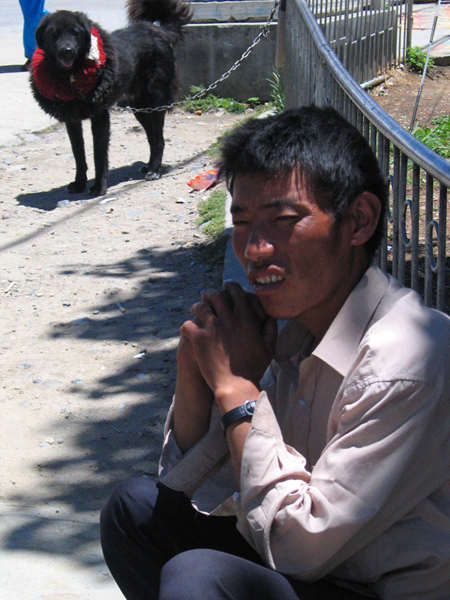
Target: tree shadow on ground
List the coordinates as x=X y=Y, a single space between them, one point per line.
x=105 y=450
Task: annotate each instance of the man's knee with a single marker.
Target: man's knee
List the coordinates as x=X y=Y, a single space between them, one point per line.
x=189 y=574
x=130 y=506
x=213 y=575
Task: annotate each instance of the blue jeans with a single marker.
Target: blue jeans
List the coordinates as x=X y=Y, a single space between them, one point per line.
x=33 y=11
x=158 y=547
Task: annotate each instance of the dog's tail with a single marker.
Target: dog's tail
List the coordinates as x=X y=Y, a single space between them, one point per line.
x=170 y=14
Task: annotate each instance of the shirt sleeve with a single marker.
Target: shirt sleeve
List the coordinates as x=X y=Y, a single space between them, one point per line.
x=186 y=472
x=380 y=461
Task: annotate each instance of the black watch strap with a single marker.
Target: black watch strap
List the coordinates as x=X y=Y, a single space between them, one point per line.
x=237 y=414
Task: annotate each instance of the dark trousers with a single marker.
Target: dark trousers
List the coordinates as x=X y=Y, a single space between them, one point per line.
x=158 y=547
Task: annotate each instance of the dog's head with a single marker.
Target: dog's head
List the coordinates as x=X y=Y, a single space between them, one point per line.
x=65 y=37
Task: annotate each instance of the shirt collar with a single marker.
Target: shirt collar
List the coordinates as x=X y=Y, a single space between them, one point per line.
x=339 y=344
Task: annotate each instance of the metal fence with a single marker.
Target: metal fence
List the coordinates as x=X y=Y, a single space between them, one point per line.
x=414 y=245
x=367 y=35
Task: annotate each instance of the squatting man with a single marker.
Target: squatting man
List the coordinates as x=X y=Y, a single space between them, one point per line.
x=312 y=463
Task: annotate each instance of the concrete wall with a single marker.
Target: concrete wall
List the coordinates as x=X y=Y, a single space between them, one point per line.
x=208 y=50
x=217 y=37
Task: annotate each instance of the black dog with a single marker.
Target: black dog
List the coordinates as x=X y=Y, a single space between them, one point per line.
x=79 y=71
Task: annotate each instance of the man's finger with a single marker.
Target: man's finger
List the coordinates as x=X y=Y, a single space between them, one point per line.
x=221 y=304
x=203 y=311
x=256 y=306
x=245 y=301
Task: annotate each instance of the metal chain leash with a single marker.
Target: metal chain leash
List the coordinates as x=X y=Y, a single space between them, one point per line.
x=262 y=34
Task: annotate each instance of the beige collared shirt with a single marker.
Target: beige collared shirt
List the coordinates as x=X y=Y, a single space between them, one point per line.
x=345 y=467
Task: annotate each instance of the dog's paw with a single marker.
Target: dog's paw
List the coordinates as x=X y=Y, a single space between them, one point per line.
x=98 y=189
x=152 y=175
x=77 y=186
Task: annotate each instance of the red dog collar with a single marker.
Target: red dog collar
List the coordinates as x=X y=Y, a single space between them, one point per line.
x=79 y=84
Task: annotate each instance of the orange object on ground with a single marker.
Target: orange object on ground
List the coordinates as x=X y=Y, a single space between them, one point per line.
x=203 y=181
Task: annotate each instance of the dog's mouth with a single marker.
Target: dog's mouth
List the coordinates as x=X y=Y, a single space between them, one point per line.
x=66 y=58
x=67 y=62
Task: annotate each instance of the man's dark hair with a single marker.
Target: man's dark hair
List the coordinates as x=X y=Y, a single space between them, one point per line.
x=334 y=157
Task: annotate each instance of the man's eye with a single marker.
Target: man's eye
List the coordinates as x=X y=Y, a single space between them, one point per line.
x=287 y=219
x=238 y=222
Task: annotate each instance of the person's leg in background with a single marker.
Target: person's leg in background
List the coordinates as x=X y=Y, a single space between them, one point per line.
x=33 y=11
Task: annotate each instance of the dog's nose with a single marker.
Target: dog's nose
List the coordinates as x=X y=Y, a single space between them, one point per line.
x=67 y=52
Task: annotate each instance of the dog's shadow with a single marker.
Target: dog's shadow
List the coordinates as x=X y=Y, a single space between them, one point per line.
x=50 y=199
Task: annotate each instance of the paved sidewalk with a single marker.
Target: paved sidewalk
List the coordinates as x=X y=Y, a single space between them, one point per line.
x=423 y=18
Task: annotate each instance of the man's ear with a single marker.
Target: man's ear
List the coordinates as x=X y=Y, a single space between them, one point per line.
x=364 y=213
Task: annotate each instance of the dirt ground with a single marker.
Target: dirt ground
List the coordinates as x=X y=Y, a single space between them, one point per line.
x=92 y=294
x=397 y=95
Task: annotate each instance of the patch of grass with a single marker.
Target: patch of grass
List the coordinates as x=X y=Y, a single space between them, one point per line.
x=212 y=214
x=213 y=102
x=436 y=137
x=415 y=59
x=277 y=94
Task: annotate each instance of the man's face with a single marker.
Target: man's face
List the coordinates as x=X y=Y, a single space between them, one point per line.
x=296 y=258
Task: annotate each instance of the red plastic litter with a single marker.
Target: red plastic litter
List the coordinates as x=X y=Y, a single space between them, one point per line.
x=203 y=181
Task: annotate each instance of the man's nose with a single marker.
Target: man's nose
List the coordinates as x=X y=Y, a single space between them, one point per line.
x=258 y=246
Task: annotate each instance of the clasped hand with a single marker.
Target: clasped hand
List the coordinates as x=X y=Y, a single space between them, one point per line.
x=231 y=338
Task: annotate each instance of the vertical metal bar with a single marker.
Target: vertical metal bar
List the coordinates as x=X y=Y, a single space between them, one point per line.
x=377 y=54
x=395 y=211
x=428 y=291
x=408 y=23
x=360 y=38
x=442 y=267
x=415 y=208
x=370 y=25
x=401 y=215
x=373 y=137
x=366 y=27
x=392 y=33
x=384 y=159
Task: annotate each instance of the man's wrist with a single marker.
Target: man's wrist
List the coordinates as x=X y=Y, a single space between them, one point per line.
x=239 y=413
x=235 y=395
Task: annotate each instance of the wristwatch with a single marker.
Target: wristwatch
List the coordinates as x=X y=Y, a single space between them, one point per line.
x=237 y=414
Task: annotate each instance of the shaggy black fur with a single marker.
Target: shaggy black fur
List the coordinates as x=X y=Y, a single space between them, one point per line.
x=139 y=72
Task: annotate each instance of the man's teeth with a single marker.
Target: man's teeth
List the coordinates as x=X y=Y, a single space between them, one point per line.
x=268 y=279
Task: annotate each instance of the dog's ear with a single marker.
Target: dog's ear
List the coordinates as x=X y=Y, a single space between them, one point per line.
x=86 y=25
x=40 y=31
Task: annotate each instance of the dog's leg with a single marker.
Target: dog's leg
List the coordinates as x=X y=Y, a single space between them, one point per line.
x=75 y=132
x=153 y=123
x=100 y=131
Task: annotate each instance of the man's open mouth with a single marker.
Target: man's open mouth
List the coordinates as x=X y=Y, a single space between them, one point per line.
x=268 y=279
x=266 y=282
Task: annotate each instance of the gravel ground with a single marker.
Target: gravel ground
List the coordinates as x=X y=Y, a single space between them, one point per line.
x=92 y=294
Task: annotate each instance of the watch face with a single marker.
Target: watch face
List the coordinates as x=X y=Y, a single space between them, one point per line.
x=249 y=407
